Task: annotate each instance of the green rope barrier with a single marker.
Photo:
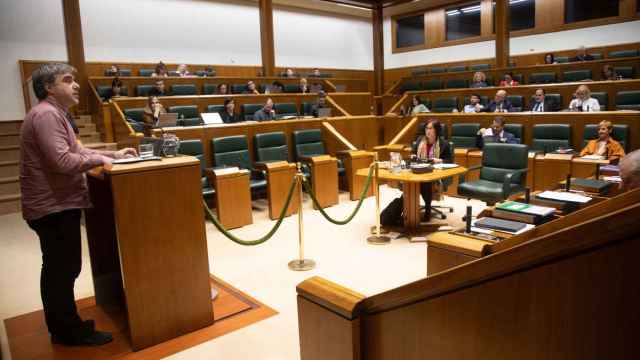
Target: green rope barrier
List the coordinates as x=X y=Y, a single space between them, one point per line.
x=355 y=211
x=265 y=237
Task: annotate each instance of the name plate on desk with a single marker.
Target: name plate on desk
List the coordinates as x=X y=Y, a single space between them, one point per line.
x=555 y=156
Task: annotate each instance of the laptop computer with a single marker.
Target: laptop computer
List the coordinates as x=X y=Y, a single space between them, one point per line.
x=211 y=118
x=167 y=120
x=324 y=112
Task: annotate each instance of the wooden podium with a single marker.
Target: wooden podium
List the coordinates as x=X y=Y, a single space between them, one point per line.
x=233 y=197
x=148 y=247
x=279 y=177
x=324 y=179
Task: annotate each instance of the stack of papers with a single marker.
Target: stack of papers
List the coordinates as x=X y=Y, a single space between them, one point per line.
x=444 y=166
x=612 y=179
x=564 y=196
x=593 y=157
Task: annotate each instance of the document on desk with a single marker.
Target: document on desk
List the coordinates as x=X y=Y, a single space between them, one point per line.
x=226 y=170
x=444 y=166
x=593 y=157
x=135 y=160
x=564 y=196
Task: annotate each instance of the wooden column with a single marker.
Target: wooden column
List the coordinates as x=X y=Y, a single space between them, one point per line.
x=502 y=33
x=266 y=38
x=75 y=48
x=378 y=53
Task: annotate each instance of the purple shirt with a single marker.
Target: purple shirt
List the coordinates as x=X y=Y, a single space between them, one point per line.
x=52 y=163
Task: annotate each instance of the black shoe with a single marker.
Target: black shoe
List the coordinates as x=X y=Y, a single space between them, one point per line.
x=96 y=338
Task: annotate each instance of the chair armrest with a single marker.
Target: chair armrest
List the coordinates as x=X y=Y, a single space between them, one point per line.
x=507 y=180
x=463 y=177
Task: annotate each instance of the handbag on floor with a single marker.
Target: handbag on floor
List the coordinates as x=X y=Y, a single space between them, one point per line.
x=392 y=214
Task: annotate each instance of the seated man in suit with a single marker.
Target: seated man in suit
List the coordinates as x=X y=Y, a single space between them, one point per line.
x=630 y=170
x=158 y=89
x=582 y=55
x=474 y=104
x=251 y=88
x=500 y=103
x=542 y=103
x=266 y=113
x=495 y=133
x=322 y=103
x=604 y=145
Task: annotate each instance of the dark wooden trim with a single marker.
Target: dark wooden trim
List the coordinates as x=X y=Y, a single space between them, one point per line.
x=378 y=51
x=502 y=33
x=75 y=48
x=266 y=38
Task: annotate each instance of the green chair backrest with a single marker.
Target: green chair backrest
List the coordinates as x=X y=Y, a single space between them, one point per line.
x=208 y=89
x=457 y=84
x=479 y=67
x=104 y=91
x=145 y=72
x=464 y=135
x=308 y=143
x=410 y=86
x=519 y=78
x=457 y=68
x=576 y=75
x=437 y=70
x=286 y=109
x=620 y=133
x=433 y=84
x=249 y=109
x=623 y=53
x=215 y=108
x=550 y=137
x=173 y=73
x=143 y=90
x=183 y=89
x=562 y=59
x=135 y=114
x=231 y=151
x=626 y=72
x=628 y=100
x=193 y=148
x=603 y=99
x=516 y=130
x=597 y=56
x=517 y=102
x=307 y=108
x=542 y=78
x=125 y=72
x=291 y=88
x=443 y=105
x=188 y=115
x=238 y=88
x=500 y=159
x=419 y=72
x=271 y=147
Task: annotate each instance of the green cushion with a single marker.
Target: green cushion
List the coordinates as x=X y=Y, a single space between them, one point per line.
x=215 y=108
x=479 y=67
x=457 y=84
x=193 y=148
x=550 y=137
x=208 y=89
x=231 y=151
x=135 y=114
x=249 y=109
x=238 y=88
x=457 y=68
x=603 y=99
x=143 y=90
x=145 y=72
x=419 y=72
x=433 y=84
x=183 y=89
x=442 y=105
x=628 y=100
x=463 y=135
x=437 y=70
x=517 y=102
x=125 y=72
x=190 y=121
x=626 y=72
x=308 y=143
x=623 y=53
x=307 y=108
x=562 y=59
x=286 y=109
x=291 y=88
x=620 y=133
x=104 y=91
x=484 y=100
x=597 y=56
x=410 y=86
x=576 y=75
x=516 y=130
x=542 y=78
x=185 y=111
x=271 y=147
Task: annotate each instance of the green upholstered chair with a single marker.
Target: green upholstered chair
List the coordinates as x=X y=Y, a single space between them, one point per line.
x=550 y=137
x=542 y=78
x=291 y=88
x=270 y=147
x=209 y=89
x=620 y=133
x=426 y=102
x=622 y=53
x=517 y=102
x=183 y=89
x=188 y=115
x=433 y=84
x=419 y=72
x=104 y=91
x=444 y=105
x=234 y=151
x=307 y=108
x=628 y=100
x=173 y=73
x=503 y=173
x=576 y=75
x=626 y=72
x=194 y=148
x=249 y=109
x=484 y=100
x=135 y=114
x=516 y=129
x=457 y=68
x=464 y=135
x=125 y=72
x=410 y=86
x=309 y=143
x=437 y=70
x=145 y=72
x=596 y=56
x=519 y=78
x=479 y=67
x=562 y=59
x=238 y=88
x=457 y=83
x=143 y=90
x=556 y=97
x=603 y=99
x=215 y=108
x=285 y=109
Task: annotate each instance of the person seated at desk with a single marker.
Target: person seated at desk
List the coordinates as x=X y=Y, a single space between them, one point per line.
x=158 y=89
x=500 y=103
x=315 y=73
x=582 y=55
x=251 y=88
x=630 y=171
x=303 y=87
x=228 y=113
x=289 y=73
x=160 y=70
x=542 y=103
x=152 y=112
x=474 y=105
x=549 y=59
x=223 y=89
x=604 y=145
x=183 y=71
x=479 y=80
x=417 y=106
x=275 y=88
x=495 y=134
x=608 y=73
x=113 y=70
x=266 y=113
x=508 y=81
x=431 y=146
x=116 y=88
x=320 y=104
x=584 y=101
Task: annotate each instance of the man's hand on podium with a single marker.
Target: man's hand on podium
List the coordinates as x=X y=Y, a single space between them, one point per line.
x=126 y=153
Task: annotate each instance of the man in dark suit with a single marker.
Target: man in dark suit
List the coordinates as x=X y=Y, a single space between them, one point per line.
x=495 y=133
x=582 y=55
x=542 y=103
x=500 y=103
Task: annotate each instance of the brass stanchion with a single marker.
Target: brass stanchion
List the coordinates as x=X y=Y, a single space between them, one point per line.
x=377 y=239
x=301 y=264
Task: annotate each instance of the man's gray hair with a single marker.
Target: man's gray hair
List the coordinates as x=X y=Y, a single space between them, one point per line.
x=633 y=159
x=45 y=76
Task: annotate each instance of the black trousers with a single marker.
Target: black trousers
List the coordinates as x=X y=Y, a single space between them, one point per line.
x=59 y=235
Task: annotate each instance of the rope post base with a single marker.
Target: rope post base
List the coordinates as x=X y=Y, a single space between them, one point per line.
x=377 y=238
x=302 y=265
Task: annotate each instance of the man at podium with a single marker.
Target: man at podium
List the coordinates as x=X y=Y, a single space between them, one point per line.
x=54 y=190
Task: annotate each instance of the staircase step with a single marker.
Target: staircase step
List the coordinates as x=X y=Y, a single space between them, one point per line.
x=90 y=137
x=10 y=139
x=9 y=185
x=10 y=126
x=9 y=204
x=83 y=119
x=9 y=168
x=9 y=153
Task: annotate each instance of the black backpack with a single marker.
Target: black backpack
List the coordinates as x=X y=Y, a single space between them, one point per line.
x=392 y=214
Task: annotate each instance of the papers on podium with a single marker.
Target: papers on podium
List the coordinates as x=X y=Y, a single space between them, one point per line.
x=564 y=196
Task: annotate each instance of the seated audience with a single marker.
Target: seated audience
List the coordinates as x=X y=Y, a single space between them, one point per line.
x=276 y=88
x=630 y=170
x=315 y=73
x=549 y=59
x=158 y=89
x=116 y=87
x=608 y=73
x=495 y=133
x=160 y=71
x=584 y=101
x=223 y=89
x=417 y=106
x=541 y=103
x=266 y=113
x=474 y=105
x=500 y=103
x=289 y=73
x=183 y=71
x=303 y=87
x=251 y=88
x=320 y=104
x=508 y=81
x=228 y=113
x=316 y=87
x=208 y=71
x=582 y=55
x=152 y=111
x=479 y=80
x=604 y=145
x=113 y=70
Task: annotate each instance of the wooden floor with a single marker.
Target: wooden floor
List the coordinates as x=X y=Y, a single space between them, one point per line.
x=29 y=339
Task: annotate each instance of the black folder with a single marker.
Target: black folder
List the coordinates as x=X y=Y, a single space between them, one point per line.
x=500 y=224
